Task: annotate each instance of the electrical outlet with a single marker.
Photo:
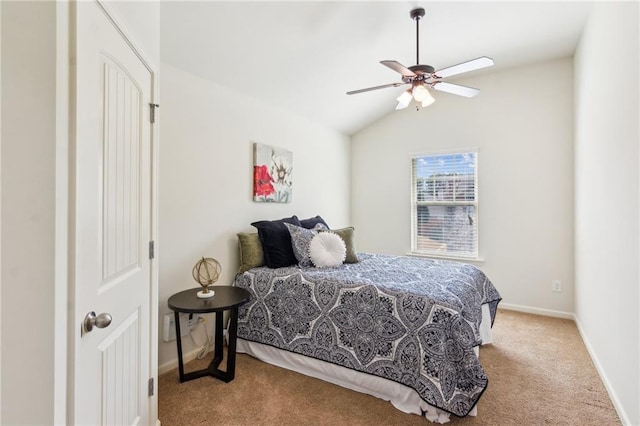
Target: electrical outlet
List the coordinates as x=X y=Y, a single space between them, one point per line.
x=556 y=285
x=187 y=323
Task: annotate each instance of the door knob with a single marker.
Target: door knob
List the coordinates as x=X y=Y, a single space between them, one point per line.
x=91 y=320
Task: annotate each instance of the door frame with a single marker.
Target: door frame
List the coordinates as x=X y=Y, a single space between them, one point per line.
x=66 y=327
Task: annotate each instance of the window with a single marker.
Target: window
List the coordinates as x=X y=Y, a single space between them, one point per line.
x=444 y=198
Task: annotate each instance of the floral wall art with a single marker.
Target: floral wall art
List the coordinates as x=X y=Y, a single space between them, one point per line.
x=272 y=167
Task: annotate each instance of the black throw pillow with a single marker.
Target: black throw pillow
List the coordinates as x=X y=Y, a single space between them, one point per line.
x=312 y=222
x=276 y=241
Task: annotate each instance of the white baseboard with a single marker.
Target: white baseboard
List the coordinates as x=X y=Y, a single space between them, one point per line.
x=537 y=311
x=612 y=393
x=173 y=364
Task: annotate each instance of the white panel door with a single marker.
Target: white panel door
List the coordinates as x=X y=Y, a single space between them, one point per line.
x=112 y=224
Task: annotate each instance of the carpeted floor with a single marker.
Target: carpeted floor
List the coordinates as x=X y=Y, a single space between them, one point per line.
x=538 y=367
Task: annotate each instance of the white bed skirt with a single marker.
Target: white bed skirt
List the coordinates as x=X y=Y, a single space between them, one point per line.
x=402 y=397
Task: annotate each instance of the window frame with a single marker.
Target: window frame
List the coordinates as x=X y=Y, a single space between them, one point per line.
x=414 y=203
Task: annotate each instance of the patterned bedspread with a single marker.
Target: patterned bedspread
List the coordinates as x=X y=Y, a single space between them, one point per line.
x=411 y=320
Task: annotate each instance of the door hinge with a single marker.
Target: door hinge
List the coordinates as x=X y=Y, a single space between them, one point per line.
x=152 y=249
x=152 y=116
x=151 y=387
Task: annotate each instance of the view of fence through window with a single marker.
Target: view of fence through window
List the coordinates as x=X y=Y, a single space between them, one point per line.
x=444 y=219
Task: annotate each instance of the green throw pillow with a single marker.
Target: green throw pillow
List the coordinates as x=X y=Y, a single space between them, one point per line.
x=251 y=253
x=347 y=234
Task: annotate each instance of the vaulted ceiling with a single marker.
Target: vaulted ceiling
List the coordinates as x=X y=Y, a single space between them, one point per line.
x=304 y=56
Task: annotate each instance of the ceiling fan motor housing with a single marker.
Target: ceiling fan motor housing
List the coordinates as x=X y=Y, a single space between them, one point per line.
x=422 y=73
x=422 y=69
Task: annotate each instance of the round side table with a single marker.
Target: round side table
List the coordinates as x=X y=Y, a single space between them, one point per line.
x=226 y=298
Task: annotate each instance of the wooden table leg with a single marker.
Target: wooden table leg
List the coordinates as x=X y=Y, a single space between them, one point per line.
x=219 y=337
x=231 y=350
x=179 y=342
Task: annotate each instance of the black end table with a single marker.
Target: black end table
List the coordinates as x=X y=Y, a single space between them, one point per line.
x=226 y=298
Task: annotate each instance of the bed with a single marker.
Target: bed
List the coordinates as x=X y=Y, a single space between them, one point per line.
x=405 y=329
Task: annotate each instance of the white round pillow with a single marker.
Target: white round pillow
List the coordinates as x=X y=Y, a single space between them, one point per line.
x=327 y=250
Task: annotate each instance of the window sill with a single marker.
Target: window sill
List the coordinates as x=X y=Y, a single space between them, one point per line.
x=474 y=260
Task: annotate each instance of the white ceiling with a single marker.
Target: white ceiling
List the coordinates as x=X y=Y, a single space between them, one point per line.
x=304 y=56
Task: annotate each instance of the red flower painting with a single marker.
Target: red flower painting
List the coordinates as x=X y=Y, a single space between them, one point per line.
x=262 y=181
x=272 y=169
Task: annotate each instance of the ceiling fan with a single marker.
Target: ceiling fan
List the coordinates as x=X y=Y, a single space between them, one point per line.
x=421 y=77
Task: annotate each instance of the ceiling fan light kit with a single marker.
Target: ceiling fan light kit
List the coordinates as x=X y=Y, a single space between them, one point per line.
x=404 y=99
x=424 y=77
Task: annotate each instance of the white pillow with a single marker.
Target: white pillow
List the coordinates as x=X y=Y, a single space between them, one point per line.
x=327 y=249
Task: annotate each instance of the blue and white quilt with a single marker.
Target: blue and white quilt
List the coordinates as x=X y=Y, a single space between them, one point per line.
x=411 y=320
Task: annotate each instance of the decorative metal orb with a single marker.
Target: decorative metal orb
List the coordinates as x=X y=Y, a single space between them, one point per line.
x=206 y=272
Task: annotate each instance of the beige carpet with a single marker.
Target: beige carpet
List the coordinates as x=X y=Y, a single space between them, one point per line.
x=538 y=367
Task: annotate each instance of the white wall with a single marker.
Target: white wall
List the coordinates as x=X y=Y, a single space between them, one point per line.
x=606 y=199
x=206 y=169
x=141 y=22
x=521 y=124
x=28 y=210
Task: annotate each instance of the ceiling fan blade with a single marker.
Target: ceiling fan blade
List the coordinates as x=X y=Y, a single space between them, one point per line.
x=456 y=89
x=398 y=67
x=368 y=89
x=474 y=64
